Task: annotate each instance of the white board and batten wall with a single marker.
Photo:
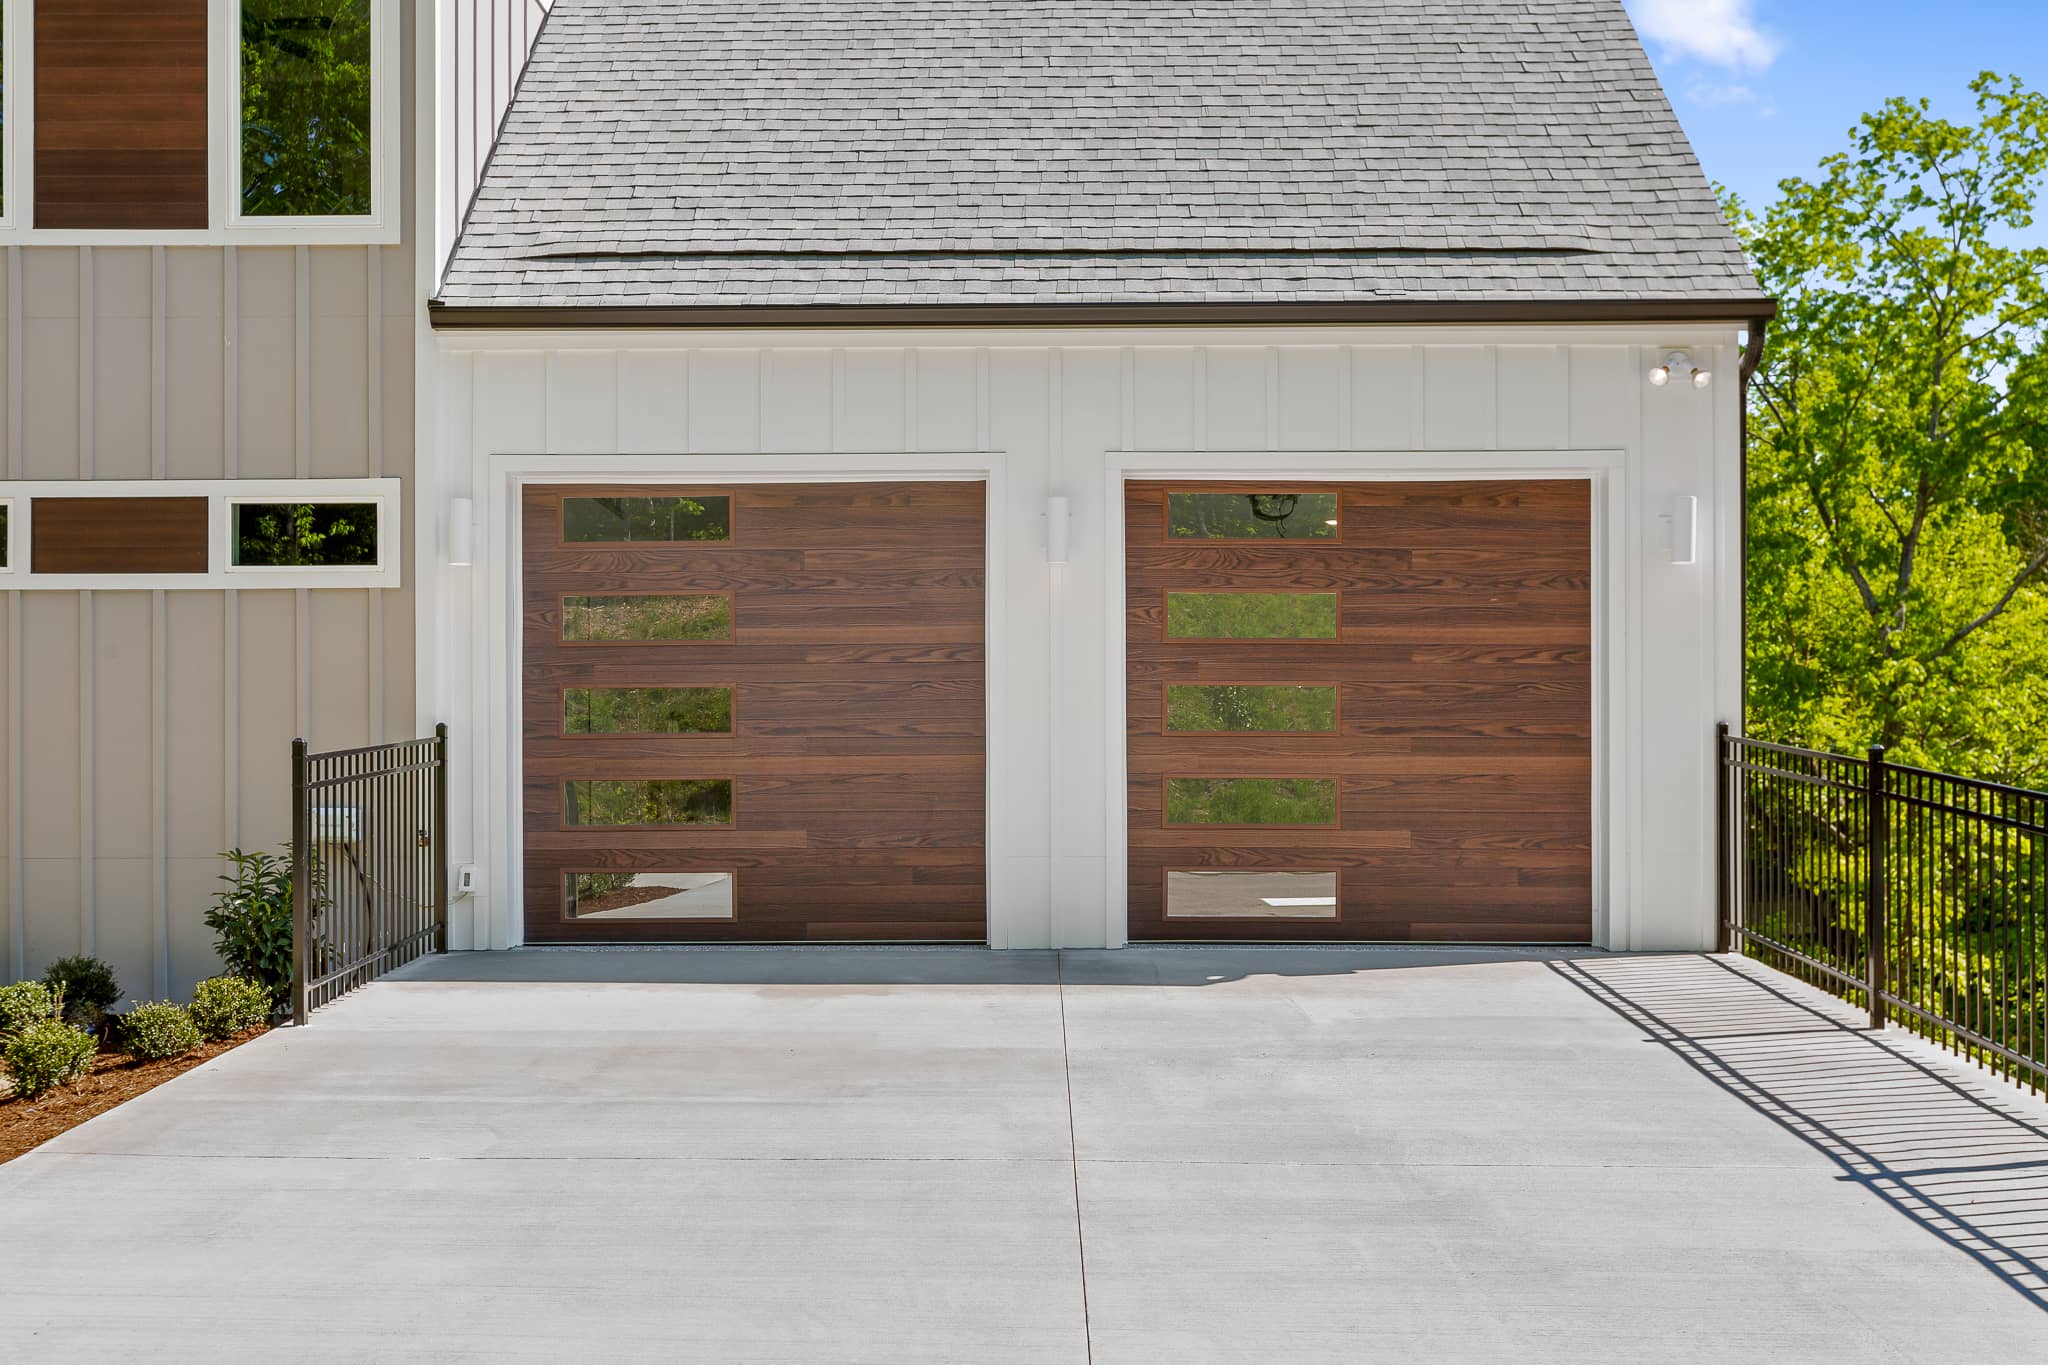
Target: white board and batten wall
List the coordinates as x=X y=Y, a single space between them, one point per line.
x=1043 y=413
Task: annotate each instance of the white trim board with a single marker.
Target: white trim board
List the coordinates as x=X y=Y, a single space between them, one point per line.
x=497 y=624
x=221 y=494
x=1604 y=470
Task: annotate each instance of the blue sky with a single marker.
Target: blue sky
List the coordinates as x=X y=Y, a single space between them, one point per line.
x=1765 y=90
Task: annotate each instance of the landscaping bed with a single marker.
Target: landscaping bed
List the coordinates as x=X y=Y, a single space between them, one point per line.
x=114 y=1079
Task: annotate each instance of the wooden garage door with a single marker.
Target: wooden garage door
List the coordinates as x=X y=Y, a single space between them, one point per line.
x=1360 y=711
x=754 y=712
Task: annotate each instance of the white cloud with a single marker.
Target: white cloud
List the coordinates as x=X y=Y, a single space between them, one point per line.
x=1720 y=32
x=1716 y=94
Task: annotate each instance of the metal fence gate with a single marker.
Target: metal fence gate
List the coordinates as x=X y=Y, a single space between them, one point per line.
x=369 y=864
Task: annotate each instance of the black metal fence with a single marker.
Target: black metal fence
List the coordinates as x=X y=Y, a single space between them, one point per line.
x=369 y=864
x=1921 y=896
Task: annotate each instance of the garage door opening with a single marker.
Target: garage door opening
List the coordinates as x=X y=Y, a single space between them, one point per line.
x=754 y=713
x=1360 y=711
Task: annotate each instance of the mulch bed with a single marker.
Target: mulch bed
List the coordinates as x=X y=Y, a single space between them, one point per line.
x=116 y=1078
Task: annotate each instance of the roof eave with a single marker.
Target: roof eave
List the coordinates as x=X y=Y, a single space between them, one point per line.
x=540 y=317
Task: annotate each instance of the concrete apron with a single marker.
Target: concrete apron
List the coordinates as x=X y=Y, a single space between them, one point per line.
x=939 y=1155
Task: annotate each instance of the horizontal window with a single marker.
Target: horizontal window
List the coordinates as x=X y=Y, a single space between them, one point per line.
x=1243 y=708
x=116 y=534
x=646 y=710
x=1251 y=616
x=648 y=802
x=1251 y=801
x=647 y=616
x=647 y=895
x=1220 y=893
x=1251 y=516
x=635 y=520
x=278 y=535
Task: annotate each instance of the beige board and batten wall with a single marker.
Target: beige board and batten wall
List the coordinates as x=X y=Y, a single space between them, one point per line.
x=144 y=731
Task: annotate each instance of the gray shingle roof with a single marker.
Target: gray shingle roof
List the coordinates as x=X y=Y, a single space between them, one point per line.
x=767 y=152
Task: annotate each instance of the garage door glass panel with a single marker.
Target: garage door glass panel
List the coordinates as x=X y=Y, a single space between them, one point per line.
x=648 y=895
x=1220 y=893
x=1239 y=708
x=1251 y=616
x=646 y=710
x=1251 y=801
x=1251 y=516
x=638 y=520
x=657 y=803
x=646 y=617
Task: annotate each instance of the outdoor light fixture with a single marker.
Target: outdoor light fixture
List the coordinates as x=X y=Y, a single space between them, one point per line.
x=1684 y=517
x=1679 y=363
x=1058 y=528
x=461 y=532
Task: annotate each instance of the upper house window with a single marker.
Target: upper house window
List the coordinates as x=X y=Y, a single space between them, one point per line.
x=201 y=120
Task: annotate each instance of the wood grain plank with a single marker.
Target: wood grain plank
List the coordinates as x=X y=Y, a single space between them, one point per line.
x=120 y=117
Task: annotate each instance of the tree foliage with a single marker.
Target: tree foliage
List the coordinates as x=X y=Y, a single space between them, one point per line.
x=1899 y=458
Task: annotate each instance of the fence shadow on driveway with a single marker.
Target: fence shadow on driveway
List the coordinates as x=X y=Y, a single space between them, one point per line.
x=1966 y=1161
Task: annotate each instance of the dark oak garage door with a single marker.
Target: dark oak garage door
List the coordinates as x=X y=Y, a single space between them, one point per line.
x=1360 y=711
x=754 y=712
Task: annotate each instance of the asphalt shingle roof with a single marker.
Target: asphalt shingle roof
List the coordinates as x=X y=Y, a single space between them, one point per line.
x=779 y=152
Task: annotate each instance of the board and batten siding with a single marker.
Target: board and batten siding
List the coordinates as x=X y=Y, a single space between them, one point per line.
x=142 y=732
x=1069 y=414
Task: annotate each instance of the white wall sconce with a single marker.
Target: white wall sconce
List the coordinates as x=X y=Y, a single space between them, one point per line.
x=1684 y=517
x=1678 y=365
x=461 y=532
x=1059 y=523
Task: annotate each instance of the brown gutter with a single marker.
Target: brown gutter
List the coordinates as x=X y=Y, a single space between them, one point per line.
x=526 y=317
x=1752 y=356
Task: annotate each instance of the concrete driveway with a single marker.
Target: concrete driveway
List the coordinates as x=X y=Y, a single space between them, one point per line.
x=748 y=1156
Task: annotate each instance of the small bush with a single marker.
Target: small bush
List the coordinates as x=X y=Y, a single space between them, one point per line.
x=45 y=1054
x=227 y=1005
x=25 y=1003
x=87 y=986
x=252 y=919
x=159 y=1029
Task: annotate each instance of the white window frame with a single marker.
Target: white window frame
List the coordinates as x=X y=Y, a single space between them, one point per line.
x=17 y=540
x=225 y=222
x=221 y=495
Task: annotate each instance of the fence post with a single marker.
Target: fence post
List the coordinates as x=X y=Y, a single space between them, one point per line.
x=441 y=837
x=1876 y=838
x=302 y=886
x=1724 y=833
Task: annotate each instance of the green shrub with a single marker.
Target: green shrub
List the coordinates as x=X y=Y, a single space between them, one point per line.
x=159 y=1029
x=252 y=920
x=25 y=1003
x=46 y=1054
x=87 y=986
x=227 y=1005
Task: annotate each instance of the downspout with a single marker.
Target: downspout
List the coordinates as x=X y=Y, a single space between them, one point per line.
x=1752 y=356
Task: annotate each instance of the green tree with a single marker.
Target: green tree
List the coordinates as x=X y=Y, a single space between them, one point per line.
x=1899 y=457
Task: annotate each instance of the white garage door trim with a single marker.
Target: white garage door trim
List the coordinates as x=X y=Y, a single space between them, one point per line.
x=496 y=761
